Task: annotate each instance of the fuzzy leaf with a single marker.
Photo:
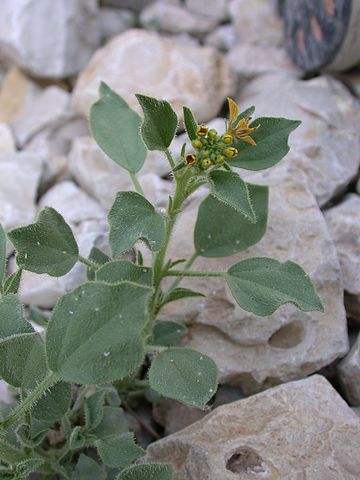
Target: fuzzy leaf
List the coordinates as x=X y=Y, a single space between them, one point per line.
x=12 y=282
x=271 y=144
x=38 y=316
x=221 y=231
x=87 y=469
x=262 y=285
x=22 y=360
x=113 y=423
x=179 y=293
x=123 y=270
x=119 y=451
x=77 y=438
x=46 y=246
x=184 y=375
x=147 y=471
x=116 y=129
x=54 y=404
x=12 y=319
x=230 y=189
x=132 y=218
x=9 y=454
x=2 y=255
x=26 y=438
x=190 y=123
x=94 y=334
x=160 y=122
x=167 y=333
x=99 y=258
x=24 y=468
x=94 y=409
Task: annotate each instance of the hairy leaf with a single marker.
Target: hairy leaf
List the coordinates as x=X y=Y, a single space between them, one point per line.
x=27 y=439
x=94 y=409
x=54 y=404
x=113 y=423
x=12 y=282
x=190 y=123
x=167 y=333
x=147 y=471
x=24 y=468
x=123 y=270
x=9 y=454
x=99 y=258
x=87 y=469
x=119 y=451
x=38 y=316
x=179 y=293
x=2 y=255
x=12 y=319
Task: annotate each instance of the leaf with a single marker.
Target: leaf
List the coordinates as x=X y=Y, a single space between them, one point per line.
x=184 y=375
x=113 y=423
x=245 y=114
x=119 y=451
x=123 y=270
x=12 y=319
x=99 y=258
x=167 y=333
x=179 y=293
x=46 y=246
x=147 y=471
x=116 y=129
x=262 y=285
x=25 y=436
x=54 y=404
x=24 y=468
x=2 y=255
x=221 y=231
x=38 y=316
x=160 y=122
x=94 y=334
x=9 y=454
x=12 y=282
x=94 y=409
x=230 y=189
x=77 y=438
x=132 y=218
x=271 y=144
x=87 y=469
x=190 y=123
x=22 y=360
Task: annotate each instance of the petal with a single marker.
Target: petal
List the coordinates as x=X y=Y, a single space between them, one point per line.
x=248 y=139
x=233 y=110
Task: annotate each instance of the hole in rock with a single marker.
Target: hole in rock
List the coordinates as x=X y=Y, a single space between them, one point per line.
x=288 y=336
x=246 y=461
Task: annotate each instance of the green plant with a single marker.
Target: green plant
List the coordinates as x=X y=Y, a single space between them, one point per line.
x=73 y=380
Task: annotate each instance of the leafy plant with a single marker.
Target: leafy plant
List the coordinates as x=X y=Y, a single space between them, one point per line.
x=103 y=343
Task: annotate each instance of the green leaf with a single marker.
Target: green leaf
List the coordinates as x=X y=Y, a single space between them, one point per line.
x=54 y=404
x=147 y=471
x=116 y=129
x=190 y=123
x=160 y=122
x=271 y=144
x=245 y=114
x=22 y=360
x=46 y=246
x=12 y=282
x=9 y=454
x=113 y=423
x=179 y=293
x=12 y=319
x=230 y=189
x=94 y=334
x=87 y=469
x=221 y=231
x=262 y=285
x=2 y=255
x=167 y=333
x=38 y=316
x=119 y=451
x=184 y=375
x=99 y=258
x=27 y=439
x=24 y=468
x=123 y=270
x=94 y=409
x=77 y=438
x=132 y=218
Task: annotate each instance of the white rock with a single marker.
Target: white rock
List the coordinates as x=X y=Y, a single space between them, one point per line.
x=5 y=394
x=49 y=39
x=256 y=352
x=7 y=142
x=349 y=374
x=326 y=146
x=72 y=203
x=135 y=5
x=216 y=9
x=114 y=21
x=223 y=37
x=175 y=19
x=299 y=430
x=198 y=77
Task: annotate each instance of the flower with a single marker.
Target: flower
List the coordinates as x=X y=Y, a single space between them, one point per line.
x=231 y=152
x=190 y=159
x=206 y=163
x=239 y=129
x=202 y=130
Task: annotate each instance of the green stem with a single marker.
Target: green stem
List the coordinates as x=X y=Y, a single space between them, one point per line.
x=88 y=263
x=170 y=159
x=29 y=401
x=187 y=265
x=181 y=273
x=136 y=183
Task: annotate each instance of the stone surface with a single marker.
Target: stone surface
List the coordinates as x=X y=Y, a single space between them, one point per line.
x=349 y=374
x=49 y=39
x=136 y=5
x=256 y=352
x=216 y=9
x=114 y=21
x=326 y=146
x=299 y=430
x=7 y=143
x=222 y=38
x=5 y=394
x=195 y=76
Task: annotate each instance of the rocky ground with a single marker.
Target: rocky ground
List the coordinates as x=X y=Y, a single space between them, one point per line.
x=197 y=52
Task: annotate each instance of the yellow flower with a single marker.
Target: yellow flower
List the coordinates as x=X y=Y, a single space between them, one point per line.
x=212 y=133
x=231 y=152
x=226 y=138
x=190 y=158
x=220 y=159
x=202 y=130
x=206 y=163
x=241 y=129
x=197 y=144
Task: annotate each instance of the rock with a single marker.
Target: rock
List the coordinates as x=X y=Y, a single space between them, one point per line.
x=174 y=416
x=135 y=5
x=7 y=143
x=47 y=109
x=222 y=38
x=256 y=23
x=195 y=76
x=299 y=430
x=352 y=305
x=114 y=21
x=349 y=374
x=256 y=352
x=326 y=146
x=216 y=9
x=53 y=39
x=5 y=395
x=356 y=410
x=72 y=203
x=175 y=19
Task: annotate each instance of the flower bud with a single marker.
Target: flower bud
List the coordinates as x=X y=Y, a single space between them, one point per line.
x=190 y=158
x=202 y=130
x=197 y=144
x=212 y=133
x=227 y=138
x=220 y=159
x=206 y=163
x=231 y=152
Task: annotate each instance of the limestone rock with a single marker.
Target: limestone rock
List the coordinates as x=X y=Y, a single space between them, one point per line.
x=136 y=5
x=299 y=430
x=114 y=21
x=49 y=39
x=223 y=37
x=5 y=394
x=216 y=9
x=141 y=61
x=349 y=374
x=7 y=143
x=326 y=146
x=256 y=352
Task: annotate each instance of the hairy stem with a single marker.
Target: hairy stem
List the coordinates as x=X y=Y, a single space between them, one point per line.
x=181 y=273
x=136 y=183
x=88 y=263
x=170 y=159
x=187 y=265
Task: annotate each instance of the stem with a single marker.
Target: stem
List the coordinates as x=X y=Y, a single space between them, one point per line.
x=169 y=157
x=30 y=400
x=136 y=183
x=181 y=273
x=88 y=263
x=187 y=265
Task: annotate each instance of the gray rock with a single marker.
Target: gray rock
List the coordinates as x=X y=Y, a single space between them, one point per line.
x=114 y=21
x=216 y=9
x=299 y=430
x=49 y=39
x=7 y=141
x=135 y=5
x=223 y=38
x=349 y=374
